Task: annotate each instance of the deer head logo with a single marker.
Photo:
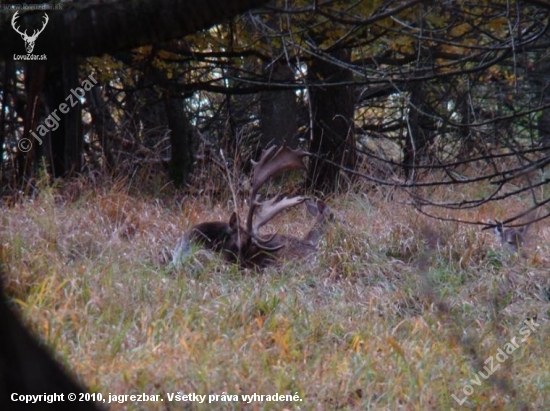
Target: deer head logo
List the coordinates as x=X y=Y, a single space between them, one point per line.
x=29 y=40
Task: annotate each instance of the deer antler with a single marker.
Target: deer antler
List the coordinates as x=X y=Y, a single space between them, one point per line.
x=35 y=33
x=13 y=18
x=272 y=208
x=270 y=165
x=284 y=159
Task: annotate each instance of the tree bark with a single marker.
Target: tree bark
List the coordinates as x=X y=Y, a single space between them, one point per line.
x=104 y=126
x=278 y=110
x=72 y=121
x=181 y=140
x=35 y=75
x=540 y=79
x=332 y=108
x=419 y=130
x=66 y=140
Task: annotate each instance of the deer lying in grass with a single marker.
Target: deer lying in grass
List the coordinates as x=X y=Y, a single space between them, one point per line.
x=513 y=239
x=245 y=245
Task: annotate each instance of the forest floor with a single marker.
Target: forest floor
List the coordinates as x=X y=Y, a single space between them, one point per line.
x=396 y=312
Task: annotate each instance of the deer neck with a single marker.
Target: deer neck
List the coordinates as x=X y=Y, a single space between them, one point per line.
x=314 y=235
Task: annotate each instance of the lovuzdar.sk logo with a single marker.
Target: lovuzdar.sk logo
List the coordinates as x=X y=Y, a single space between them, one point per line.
x=29 y=40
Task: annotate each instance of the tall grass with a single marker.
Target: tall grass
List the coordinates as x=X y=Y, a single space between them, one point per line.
x=396 y=312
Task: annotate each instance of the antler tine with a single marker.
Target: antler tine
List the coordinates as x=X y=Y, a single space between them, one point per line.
x=271 y=208
x=285 y=159
x=13 y=19
x=263 y=244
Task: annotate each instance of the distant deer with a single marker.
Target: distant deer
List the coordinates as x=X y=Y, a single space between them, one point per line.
x=246 y=245
x=511 y=238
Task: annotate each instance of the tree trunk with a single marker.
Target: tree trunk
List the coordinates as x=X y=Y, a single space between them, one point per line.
x=66 y=136
x=278 y=111
x=72 y=121
x=8 y=73
x=181 y=140
x=420 y=130
x=465 y=132
x=540 y=79
x=104 y=126
x=35 y=75
x=333 y=137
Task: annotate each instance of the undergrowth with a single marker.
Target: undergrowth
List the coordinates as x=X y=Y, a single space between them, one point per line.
x=395 y=311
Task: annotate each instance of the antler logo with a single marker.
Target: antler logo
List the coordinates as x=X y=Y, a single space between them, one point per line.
x=29 y=40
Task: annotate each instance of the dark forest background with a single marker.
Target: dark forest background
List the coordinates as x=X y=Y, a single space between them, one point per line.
x=384 y=91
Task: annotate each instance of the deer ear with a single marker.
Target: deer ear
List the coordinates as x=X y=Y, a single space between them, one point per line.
x=234 y=221
x=313 y=207
x=523 y=229
x=499 y=231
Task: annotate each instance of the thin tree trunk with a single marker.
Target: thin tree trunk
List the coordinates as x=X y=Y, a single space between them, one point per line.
x=182 y=141
x=66 y=136
x=72 y=121
x=419 y=130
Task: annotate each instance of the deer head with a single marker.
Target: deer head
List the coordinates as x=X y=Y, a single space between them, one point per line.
x=511 y=238
x=323 y=216
x=226 y=238
x=29 y=40
x=514 y=238
x=241 y=243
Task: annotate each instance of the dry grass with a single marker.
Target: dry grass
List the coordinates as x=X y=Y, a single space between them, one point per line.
x=399 y=312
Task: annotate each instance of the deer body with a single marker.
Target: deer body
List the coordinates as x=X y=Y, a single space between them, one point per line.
x=219 y=236
x=227 y=238
x=288 y=248
x=514 y=238
x=291 y=248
